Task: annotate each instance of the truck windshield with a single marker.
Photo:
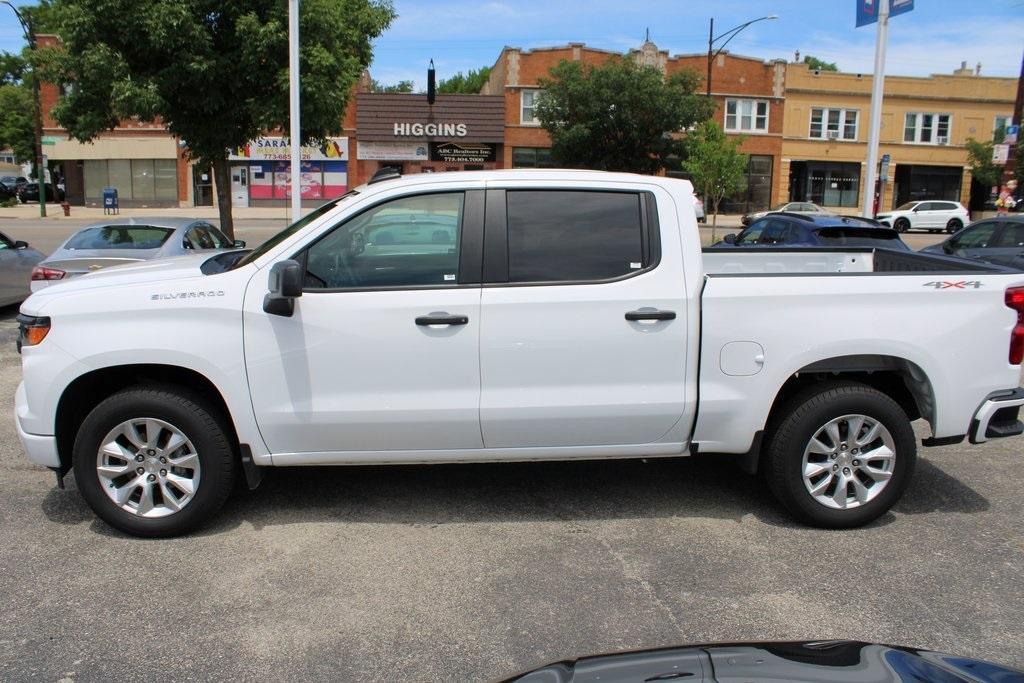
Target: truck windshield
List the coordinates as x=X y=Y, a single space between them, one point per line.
x=291 y=230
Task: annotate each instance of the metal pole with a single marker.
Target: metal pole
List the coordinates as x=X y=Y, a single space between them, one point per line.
x=877 y=89
x=293 y=89
x=711 y=33
x=1018 y=110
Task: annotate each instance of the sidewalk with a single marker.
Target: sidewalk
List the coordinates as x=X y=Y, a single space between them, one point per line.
x=55 y=213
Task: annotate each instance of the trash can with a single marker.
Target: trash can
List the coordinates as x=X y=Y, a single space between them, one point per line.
x=110 y=204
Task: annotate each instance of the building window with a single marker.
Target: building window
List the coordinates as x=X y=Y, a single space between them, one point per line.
x=999 y=127
x=746 y=115
x=528 y=108
x=135 y=179
x=926 y=128
x=832 y=183
x=833 y=124
x=532 y=157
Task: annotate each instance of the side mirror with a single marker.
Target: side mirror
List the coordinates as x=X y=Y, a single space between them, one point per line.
x=285 y=285
x=21 y=244
x=730 y=238
x=238 y=244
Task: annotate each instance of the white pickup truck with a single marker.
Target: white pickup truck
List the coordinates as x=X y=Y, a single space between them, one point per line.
x=513 y=315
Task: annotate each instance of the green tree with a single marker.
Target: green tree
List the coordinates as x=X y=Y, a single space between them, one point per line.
x=813 y=62
x=399 y=87
x=16 y=130
x=620 y=116
x=468 y=84
x=979 y=158
x=715 y=164
x=13 y=68
x=215 y=73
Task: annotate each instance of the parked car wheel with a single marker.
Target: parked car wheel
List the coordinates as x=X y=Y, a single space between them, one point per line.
x=840 y=454
x=953 y=225
x=154 y=462
x=901 y=225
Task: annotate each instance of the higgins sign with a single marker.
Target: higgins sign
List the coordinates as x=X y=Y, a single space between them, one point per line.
x=431 y=130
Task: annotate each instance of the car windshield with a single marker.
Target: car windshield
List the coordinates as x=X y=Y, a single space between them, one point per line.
x=291 y=230
x=861 y=237
x=120 y=237
x=906 y=207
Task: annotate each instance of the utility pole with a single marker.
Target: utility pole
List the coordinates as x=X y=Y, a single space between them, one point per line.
x=37 y=112
x=877 y=91
x=293 y=91
x=1018 y=110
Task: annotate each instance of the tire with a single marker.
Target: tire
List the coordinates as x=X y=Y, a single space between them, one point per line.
x=789 y=444
x=205 y=457
x=953 y=225
x=901 y=225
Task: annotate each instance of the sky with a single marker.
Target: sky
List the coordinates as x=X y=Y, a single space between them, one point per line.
x=466 y=34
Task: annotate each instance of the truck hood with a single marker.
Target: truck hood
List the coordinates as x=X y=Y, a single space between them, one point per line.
x=162 y=272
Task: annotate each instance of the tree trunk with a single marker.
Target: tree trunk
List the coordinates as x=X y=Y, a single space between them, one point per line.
x=222 y=184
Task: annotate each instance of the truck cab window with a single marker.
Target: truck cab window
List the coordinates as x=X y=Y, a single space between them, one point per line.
x=406 y=242
x=562 y=235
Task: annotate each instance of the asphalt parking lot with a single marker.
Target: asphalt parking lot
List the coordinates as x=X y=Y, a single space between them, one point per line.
x=472 y=572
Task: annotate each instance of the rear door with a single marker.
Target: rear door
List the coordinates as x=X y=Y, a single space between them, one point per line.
x=1007 y=244
x=583 y=323
x=976 y=240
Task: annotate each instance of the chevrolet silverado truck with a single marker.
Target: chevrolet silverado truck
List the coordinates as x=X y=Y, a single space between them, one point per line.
x=513 y=316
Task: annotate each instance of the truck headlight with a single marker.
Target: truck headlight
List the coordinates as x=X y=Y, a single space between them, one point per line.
x=32 y=329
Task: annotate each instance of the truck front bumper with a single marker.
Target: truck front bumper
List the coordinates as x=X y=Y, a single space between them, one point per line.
x=40 y=449
x=997 y=416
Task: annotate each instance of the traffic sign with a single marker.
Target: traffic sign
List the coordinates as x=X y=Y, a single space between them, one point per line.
x=867 y=10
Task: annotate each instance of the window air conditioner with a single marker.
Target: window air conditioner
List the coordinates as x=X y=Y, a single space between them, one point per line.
x=942 y=140
x=833 y=135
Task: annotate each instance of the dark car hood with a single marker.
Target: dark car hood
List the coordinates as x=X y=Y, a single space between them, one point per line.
x=834 y=660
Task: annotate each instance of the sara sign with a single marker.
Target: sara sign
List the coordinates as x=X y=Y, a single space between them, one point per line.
x=280 y=149
x=867 y=10
x=419 y=130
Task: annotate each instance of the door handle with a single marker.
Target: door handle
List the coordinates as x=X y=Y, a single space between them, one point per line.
x=650 y=314
x=442 y=319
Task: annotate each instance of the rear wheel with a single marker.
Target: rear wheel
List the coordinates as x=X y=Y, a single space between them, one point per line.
x=954 y=224
x=154 y=462
x=840 y=454
x=901 y=225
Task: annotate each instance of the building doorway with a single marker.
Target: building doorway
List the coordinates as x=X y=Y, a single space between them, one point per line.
x=239 y=186
x=202 y=186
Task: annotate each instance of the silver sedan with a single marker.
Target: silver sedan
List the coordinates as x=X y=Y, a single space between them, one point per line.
x=17 y=260
x=128 y=240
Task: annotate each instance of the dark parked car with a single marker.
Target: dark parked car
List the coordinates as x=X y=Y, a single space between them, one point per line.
x=996 y=240
x=30 y=193
x=829 y=660
x=6 y=192
x=13 y=183
x=805 y=230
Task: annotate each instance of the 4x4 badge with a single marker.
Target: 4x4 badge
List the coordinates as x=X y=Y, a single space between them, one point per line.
x=953 y=284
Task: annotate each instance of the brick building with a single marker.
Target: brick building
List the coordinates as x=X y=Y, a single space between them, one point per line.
x=748 y=92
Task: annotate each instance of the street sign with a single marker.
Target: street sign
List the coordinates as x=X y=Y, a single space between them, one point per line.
x=867 y=10
x=1010 y=136
x=884 y=173
x=50 y=139
x=1000 y=154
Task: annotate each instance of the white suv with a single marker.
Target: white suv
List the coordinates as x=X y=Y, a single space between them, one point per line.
x=933 y=216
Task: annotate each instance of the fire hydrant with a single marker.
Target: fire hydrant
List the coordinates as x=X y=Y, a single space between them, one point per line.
x=67 y=207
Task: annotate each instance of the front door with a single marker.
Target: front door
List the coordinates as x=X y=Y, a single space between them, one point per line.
x=239 y=186
x=584 y=333
x=382 y=352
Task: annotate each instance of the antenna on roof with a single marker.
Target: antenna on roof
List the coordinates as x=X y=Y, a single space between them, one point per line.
x=647 y=36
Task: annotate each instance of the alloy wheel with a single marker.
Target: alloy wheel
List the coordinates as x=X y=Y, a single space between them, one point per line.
x=848 y=461
x=148 y=467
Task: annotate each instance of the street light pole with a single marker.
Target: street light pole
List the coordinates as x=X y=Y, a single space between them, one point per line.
x=728 y=35
x=37 y=114
x=877 y=92
x=293 y=88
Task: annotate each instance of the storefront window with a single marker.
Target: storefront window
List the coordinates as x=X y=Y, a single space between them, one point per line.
x=135 y=179
x=532 y=157
x=833 y=184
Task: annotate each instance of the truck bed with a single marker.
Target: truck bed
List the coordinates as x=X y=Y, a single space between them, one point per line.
x=812 y=260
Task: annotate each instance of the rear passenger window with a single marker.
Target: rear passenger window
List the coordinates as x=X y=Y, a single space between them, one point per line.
x=561 y=235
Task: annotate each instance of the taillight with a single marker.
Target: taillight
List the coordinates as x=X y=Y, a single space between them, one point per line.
x=44 y=273
x=1015 y=300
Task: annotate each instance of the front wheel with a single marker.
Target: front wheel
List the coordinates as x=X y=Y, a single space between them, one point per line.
x=953 y=225
x=839 y=455
x=154 y=462
x=901 y=225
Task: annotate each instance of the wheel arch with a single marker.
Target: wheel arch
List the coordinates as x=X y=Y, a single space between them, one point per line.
x=88 y=390
x=898 y=378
